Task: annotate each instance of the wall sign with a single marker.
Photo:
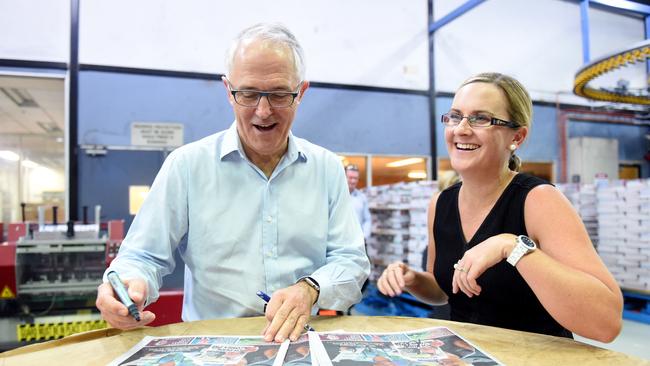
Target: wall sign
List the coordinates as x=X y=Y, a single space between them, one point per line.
x=156 y=134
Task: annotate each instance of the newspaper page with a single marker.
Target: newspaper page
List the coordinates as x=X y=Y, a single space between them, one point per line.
x=430 y=346
x=215 y=351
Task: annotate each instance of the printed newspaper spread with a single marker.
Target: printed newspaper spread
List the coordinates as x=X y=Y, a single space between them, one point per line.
x=214 y=351
x=430 y=346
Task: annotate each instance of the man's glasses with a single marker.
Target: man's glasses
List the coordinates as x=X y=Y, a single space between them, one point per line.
x=453 y=119
x=276 y=99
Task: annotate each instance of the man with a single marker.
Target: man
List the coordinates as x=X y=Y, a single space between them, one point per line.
x=359 y=200
x=261 y=209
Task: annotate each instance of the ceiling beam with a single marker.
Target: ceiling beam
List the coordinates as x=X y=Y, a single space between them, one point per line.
x=469 y=5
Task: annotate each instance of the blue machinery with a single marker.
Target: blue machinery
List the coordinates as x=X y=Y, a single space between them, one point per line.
x=637 y=306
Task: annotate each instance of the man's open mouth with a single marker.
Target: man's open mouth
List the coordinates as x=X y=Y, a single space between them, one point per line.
x=265 y=128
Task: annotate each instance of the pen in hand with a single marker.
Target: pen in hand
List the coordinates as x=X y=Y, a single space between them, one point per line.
x=267 y=298
x=263 y=296
x=121 y=292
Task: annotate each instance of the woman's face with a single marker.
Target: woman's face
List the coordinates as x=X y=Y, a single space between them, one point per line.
x=480 y=148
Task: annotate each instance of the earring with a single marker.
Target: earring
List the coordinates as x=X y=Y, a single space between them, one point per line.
x=513 y=147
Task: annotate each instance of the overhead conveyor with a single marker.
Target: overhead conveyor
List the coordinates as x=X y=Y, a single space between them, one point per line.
x=597 y=68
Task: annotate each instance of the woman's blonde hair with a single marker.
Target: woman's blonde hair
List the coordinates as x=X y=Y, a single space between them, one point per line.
x=520 y=106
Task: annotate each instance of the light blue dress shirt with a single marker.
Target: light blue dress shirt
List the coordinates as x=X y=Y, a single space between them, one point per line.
x=361 y=209
x=246 y=232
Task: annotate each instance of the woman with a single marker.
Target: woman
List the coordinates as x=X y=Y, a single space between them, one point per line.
x=507 y=249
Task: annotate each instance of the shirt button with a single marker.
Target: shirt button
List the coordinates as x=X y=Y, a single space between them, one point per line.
x=269 y=254
x=269 y=219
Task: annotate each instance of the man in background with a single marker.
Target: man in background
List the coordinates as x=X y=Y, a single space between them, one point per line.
x=359 y=200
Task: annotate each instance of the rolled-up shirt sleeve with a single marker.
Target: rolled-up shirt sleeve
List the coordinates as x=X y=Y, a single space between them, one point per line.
x=147 y=251
x=347 y=266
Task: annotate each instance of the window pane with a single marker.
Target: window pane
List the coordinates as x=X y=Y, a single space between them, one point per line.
x=32 y=149
x=394 y=169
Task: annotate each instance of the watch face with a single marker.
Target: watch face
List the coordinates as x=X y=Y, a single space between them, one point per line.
x=527 y=241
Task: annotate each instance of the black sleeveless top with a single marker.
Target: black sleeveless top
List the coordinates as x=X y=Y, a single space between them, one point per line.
x=506 y=301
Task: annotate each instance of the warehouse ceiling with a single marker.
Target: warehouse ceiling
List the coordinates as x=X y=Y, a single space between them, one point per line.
x=31 y=105
x=32 y=118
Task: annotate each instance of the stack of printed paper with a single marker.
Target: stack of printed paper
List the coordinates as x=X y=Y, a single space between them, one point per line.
x=584 y=200
x=399 y=224
x=624 y=232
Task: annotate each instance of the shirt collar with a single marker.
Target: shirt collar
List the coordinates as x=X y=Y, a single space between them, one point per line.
x=232 y=143
x=295 y=150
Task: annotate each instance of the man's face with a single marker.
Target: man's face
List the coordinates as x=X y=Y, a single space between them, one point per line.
x=264 y=66
x=353 y=179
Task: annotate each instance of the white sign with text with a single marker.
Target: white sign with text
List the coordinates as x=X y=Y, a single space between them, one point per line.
x=156 y=134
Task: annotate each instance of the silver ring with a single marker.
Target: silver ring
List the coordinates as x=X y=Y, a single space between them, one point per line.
x=460 y=268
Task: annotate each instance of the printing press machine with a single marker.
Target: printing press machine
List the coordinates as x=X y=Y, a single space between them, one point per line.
x=49 y=275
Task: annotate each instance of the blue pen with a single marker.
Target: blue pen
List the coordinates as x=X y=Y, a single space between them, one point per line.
x=121 y=292
x=262 y=295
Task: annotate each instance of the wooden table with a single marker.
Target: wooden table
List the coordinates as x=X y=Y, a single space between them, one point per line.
x=99 y=347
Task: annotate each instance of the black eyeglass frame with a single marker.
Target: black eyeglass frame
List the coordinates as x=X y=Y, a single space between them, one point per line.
x=472 y=118
x=266 y=94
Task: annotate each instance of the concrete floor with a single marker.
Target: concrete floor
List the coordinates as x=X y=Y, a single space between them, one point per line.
x=633 y=340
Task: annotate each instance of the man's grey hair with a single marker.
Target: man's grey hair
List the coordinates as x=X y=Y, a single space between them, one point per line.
x=274 y=32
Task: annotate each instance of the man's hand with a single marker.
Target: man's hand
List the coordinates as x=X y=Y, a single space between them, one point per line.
x=288 y=312
x=115 y=313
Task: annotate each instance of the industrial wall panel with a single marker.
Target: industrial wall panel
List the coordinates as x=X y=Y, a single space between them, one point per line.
x=364 y=121
x=35 y=30
x=365 y=42
x=592 y=157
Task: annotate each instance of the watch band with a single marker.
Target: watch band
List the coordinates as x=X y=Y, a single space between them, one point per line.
x=313 y=284
x=524 y=246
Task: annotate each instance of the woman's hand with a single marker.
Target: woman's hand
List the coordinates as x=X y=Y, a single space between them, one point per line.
x=396 y=277
x=478 y=259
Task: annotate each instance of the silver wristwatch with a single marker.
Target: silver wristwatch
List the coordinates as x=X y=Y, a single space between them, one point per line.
x=524 y=246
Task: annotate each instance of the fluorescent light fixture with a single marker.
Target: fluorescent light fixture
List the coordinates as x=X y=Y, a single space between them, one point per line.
x=20 y=97
x=137 y=194
x=404 y=162
x=29 y=164
x=417 y=174
x=9 y=155
x=50 y=127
